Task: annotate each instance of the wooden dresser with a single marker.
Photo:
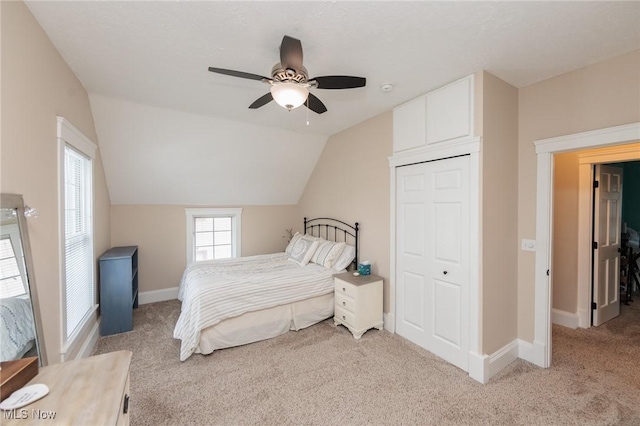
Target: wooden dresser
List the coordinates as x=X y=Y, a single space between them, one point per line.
x=87 y=391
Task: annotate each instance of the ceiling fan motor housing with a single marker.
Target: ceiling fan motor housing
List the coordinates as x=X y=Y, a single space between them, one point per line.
x=289 y=75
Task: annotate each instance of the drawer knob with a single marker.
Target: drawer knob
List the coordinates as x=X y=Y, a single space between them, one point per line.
x=445 y=272
x=344 y=303
x=344 y=318
x=344 y=289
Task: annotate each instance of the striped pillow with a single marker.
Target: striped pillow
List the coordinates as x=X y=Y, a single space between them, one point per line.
x=327 y=253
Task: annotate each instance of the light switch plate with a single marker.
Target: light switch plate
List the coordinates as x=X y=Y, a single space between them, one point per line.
x=528 y=245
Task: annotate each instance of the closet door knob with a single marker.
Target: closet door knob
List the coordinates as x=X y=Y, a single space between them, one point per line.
x=445 y=272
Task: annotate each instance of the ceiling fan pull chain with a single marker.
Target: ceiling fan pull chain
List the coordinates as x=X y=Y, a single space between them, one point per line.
x=307 y=110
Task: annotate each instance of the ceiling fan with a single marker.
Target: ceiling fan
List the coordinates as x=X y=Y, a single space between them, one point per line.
x=290 y=81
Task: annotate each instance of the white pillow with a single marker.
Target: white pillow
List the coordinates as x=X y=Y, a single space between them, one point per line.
x=327 y=253
x=292 y=243
x=346 y=257
x=302 y=250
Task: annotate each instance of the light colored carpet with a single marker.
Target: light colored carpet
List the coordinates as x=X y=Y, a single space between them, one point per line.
x=322 y=375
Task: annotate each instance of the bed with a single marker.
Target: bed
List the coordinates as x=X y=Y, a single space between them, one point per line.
x=16 y=327
x=233 y=302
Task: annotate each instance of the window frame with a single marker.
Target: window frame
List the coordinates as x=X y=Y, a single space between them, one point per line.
x=236 y=228
x=70 y=136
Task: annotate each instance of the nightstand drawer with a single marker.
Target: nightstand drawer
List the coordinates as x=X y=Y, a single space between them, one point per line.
x=346 y=288
x=345 y=316
x=345 y=302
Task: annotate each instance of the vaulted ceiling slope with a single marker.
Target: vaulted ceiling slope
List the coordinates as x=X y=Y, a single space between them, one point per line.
x=151 y=58
x=158 y=156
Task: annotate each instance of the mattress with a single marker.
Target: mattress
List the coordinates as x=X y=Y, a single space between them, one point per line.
x=216 y=291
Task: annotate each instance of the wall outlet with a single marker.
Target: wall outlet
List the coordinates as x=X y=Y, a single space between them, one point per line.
x=528 y=245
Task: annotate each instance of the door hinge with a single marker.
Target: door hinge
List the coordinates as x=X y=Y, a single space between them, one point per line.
x=595 y=245
x=596 y=184
x=594 y=305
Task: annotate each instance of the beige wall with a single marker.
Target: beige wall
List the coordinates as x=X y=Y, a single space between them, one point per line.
x=499 y=216
x=565 y=232
x=351 y=182
x=160 y=234
x=598 y=96
x=37 y=86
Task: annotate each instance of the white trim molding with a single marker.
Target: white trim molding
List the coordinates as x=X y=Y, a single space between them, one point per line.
x=617 y=135
x=153 y=296
x=545 y=148
x=90 y=342
x=484 y=367
x=71 y=135
x=565 y=319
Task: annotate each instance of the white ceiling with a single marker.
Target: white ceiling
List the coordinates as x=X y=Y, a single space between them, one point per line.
x=157 y=54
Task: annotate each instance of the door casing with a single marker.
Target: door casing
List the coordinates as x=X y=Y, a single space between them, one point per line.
x=545 y=149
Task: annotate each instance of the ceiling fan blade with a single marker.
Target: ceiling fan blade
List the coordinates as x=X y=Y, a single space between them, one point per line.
x=261 y=101
x=240 y=74
x=291 y=53
x=339 y=82
x=315 y=104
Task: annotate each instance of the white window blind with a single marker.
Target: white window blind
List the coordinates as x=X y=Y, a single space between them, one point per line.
x=78 y=238
x=11 y=283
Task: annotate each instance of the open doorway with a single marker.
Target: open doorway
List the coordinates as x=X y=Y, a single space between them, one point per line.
x=612 y=138
x=586 y=277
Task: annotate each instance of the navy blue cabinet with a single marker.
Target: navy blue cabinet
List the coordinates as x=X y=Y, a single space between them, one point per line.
x=118 y=289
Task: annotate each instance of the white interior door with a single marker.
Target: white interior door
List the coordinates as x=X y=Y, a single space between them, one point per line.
x=606 y=258
x=432 y=259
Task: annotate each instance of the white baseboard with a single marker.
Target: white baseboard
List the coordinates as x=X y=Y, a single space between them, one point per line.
x=478 y=367
x=389 y=322
x=532 y=352
x=90 y=342
x=565 y=319
x=484 y=367
x=501 y=358
x=153 y=296
x=584 y=318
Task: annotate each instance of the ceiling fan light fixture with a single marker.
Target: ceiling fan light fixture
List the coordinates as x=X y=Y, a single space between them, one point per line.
x=289 y=95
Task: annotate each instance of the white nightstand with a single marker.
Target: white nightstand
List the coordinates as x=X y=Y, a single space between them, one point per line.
x=358 y=302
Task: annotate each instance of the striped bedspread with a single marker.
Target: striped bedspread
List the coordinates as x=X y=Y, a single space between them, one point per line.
x=212 y=291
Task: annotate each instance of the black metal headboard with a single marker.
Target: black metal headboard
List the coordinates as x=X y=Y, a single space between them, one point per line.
x=334 y=230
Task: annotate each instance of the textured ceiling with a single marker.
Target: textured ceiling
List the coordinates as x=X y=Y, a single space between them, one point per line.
x=157 y=53
x=170 y=132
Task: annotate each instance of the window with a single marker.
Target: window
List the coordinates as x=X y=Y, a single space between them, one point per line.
x=76 y=216
x=213 y=234
x=12 y=274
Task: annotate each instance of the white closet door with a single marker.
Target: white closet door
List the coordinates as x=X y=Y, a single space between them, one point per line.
x=432 y=259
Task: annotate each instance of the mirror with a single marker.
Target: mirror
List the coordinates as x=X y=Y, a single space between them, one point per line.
x=20 y=322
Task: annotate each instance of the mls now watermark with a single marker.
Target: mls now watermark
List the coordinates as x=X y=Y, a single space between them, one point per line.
x=28 y=414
